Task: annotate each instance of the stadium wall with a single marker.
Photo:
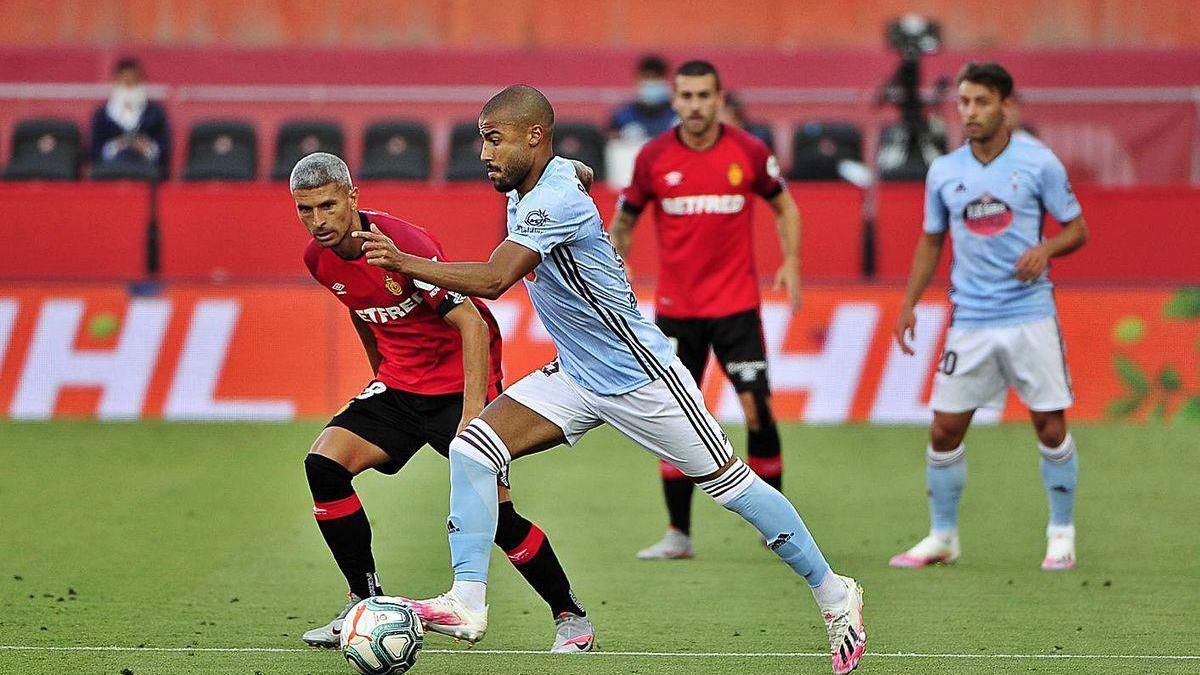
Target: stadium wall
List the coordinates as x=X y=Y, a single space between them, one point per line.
x=249 y=232
x=526 y=23
x=278 y=352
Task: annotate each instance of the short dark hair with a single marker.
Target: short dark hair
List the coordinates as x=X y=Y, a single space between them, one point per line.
x=990 y=74
x=698 y=68
x=127 y=63
x=652 y=64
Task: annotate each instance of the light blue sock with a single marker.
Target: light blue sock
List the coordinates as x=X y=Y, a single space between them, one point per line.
x=473 y=506
x=945 y=476
x=1060 y=471
x=775 y=517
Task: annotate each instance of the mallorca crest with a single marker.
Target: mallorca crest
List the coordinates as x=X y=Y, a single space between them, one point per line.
x=392 y=285
x=735 y=174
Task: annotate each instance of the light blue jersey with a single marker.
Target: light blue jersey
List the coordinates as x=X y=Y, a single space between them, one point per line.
x=994 y=212
x=580 y=291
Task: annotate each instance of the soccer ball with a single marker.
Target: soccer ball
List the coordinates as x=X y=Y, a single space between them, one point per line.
x=382 y=636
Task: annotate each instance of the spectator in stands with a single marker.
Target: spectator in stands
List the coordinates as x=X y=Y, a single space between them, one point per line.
x=734 y=113
x=651 y=114
x=130 y=127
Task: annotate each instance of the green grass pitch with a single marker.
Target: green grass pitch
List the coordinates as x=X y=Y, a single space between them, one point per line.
x=201 y=537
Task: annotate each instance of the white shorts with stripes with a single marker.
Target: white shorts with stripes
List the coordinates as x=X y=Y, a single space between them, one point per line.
x=666 y=416
x=978 y=366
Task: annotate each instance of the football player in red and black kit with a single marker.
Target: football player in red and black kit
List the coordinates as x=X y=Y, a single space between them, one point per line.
x=436 y=359
x=703 y=176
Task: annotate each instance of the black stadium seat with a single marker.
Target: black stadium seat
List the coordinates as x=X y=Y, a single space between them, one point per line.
x=298 y=138
x=465 y=145
x=44 y=149
x=582 y=141
x=818 y=147
x=124 y=170
x=225 y=150
x=395 y=150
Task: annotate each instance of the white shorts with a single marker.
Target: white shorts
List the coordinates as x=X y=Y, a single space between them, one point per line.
x=978 y=365
x=666 y=416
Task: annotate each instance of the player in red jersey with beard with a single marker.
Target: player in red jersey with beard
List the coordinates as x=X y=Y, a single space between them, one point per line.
x=703 y=176
x=436 y=359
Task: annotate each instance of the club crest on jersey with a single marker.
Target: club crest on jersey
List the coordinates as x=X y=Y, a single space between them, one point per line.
x=536 y=218
x=392 y=285
x=987 y=216
x=735 y=174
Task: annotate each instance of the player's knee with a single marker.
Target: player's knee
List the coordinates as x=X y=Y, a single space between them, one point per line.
x=756 y=406
x=945 y=437
x=326 y=478
x=1051 y=429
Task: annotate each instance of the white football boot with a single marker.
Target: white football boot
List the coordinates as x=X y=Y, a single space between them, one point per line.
x=573 y=634
x=329 y=636
x=934 y=548
x=1060 y=548
x=674 y=545
x=847 y=633
x=448 y=615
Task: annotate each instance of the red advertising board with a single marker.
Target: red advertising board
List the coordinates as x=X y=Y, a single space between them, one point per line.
x=281 y=351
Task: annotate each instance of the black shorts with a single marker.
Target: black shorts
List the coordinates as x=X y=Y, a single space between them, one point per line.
x=737 y=341
x=400 y=423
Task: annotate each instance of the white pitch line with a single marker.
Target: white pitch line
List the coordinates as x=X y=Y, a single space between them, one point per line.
x=530 y=652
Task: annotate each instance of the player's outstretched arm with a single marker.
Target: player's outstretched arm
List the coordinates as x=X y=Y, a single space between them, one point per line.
x=476 y=341
x=925 y=260
x=1033 y=262
x=787 y=224
x=368 y=341
x=509 y=262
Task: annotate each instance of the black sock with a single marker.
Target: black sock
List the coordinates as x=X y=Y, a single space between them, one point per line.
x=343 y=523
x=529 y=551
x=763 y=448
x=678 y=492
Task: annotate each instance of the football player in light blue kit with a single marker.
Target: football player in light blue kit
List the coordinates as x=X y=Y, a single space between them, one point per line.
x=991 y=195
x=613 y=367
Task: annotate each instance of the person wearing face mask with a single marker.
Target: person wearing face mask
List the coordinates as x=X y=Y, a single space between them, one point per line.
x=651 y=114
x=130 y=128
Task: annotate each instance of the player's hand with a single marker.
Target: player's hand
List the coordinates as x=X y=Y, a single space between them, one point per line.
x=906 y=329
x=467 y=416
x=379 y=249
x=1032 y=263
x=788 y=278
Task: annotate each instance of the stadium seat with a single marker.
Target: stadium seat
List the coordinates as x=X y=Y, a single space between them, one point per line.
x=896 y=159
x=303 y=137
x=395 y=150
x=44 y=149
x=225 y=150
x=465 y=144
x=581 y=141
x=124 y=170
x=818 y=147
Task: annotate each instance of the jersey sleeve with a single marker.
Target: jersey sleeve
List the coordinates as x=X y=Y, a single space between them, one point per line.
x=641 y=188
x=548 y=217
x=937 y=216
x=768 y=180
x=439 y=299
x=1057 y=196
